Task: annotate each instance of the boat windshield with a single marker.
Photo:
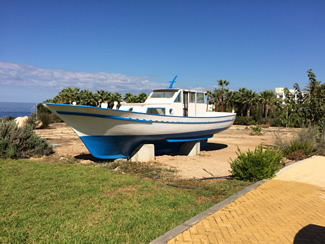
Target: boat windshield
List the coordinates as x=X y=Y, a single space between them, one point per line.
x=165 y=94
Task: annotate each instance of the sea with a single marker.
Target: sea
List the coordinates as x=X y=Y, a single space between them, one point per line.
x=16 y=109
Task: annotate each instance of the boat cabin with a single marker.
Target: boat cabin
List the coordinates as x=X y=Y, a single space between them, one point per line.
x=171 y=102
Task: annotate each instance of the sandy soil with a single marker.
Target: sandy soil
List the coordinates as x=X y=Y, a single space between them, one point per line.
x=212 y=161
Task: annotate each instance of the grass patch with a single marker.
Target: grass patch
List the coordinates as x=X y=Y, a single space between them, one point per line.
x=56 y=202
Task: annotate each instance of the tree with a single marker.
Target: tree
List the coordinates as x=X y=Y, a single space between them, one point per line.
x=242 y=101
x=88 y=98
x=315 y=99
x=114 y=97
x=232 y=97
x=68 y=95
x=139 y=98
x=249 y=97
x=215 y=98
x=103 y=97
x=128 y=97
x=222 y=83
x=268 y=97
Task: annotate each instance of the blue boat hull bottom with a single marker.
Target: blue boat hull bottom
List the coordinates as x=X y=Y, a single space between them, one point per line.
x=113 y=147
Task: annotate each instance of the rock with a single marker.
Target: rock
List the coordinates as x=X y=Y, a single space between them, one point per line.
x=21 y=121
x=38 y=124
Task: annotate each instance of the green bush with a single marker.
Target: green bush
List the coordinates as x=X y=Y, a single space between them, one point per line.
x=244 y=120
x=21 y=142
x=45 y=118
x=256 y=165
x=277 y=122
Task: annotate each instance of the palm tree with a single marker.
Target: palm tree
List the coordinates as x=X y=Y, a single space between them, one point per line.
x=215 y=98
x=267 y=97
x=232 y=97
x=222 y=83
x=129 y=98
x=315 y=99
x=250 y=98
x=88 y=98
x=114 y=97
x=242 y=100
x=69 y=95
x=141 y=97
x=103 y=96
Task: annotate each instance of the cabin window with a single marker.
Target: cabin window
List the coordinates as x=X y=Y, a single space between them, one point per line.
x=192 y=97
x=200 y=97
x=160 y=111
x=178 y=98
x=162 y=94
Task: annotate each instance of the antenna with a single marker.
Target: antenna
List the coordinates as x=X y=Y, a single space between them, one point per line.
x=172 y=82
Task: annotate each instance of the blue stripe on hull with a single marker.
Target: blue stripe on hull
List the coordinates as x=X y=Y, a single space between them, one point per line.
x=112 y=147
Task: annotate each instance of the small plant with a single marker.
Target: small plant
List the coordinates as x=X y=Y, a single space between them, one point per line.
x=256 y=165
x=256 y=130
x=21 y=142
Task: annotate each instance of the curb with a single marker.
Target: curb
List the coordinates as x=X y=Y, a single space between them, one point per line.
x=189 y=223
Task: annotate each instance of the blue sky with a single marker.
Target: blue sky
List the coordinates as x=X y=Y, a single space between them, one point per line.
x=136 y=46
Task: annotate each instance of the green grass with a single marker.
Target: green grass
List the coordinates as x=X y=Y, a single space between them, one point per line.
x=56 y=202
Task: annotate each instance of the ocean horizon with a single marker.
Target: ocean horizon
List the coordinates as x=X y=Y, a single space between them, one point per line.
x=16 y=109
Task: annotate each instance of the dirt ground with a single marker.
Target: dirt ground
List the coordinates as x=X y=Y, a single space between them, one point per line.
x=212 y=161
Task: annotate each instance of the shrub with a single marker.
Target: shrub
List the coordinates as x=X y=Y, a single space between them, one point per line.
x=307 y=140
x=244 y=120
x=256 y=165
x=21 y=142
x=32 y=120
x=45 y=118
x=277 y=122
x=9 y=118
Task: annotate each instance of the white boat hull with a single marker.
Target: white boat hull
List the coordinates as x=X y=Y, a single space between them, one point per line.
x=110 y=133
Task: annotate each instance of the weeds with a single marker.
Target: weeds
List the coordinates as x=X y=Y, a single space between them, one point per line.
x=307 y=140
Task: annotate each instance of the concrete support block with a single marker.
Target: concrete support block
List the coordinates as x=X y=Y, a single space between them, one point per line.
x=143 y=153
x=190 y=148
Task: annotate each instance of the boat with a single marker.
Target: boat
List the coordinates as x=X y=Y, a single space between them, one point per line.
x=168 y=119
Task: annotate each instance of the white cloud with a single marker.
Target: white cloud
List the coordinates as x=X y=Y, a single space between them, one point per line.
x=21 y=75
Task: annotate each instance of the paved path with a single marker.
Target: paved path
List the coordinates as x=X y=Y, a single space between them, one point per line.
x=290 y=208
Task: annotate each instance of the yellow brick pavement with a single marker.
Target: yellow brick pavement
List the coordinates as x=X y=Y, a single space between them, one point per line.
x=278 y=211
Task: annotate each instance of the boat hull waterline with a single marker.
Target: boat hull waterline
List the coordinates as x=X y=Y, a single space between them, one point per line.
x=111 y=133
